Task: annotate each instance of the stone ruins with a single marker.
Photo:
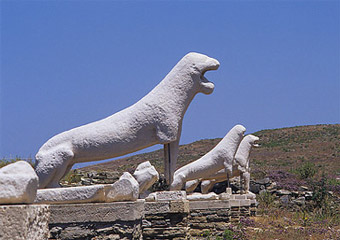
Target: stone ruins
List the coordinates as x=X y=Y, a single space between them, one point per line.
x=221 y=156
x=155 y=119
x=126 y=209
x=240 y=168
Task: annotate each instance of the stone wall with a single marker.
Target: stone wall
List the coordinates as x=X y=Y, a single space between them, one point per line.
x=166 y=220
x=216 y=215
x=176 y=219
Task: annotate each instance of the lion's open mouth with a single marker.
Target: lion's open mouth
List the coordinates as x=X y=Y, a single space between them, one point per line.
x=207 y=87
x=214 y=65
x=204 y=79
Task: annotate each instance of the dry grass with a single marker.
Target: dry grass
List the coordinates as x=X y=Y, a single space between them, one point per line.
x=290 y=150
x=281 y=224
x=284 y=149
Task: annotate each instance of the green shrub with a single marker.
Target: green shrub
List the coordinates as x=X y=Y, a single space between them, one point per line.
x=228 y=234
x=307 y=170
x=321 y=198
x=266 y=199
x=72 y=177
x=333 y=182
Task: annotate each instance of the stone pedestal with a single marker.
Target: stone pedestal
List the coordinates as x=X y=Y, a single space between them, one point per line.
x=216 y=215
x=19 y=222
x=166 y=220
x=117 y=220
x=162 y=219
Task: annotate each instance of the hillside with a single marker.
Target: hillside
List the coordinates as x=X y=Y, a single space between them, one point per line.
x=284 y=149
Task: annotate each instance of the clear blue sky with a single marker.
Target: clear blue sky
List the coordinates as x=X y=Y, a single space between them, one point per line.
x=68 y=63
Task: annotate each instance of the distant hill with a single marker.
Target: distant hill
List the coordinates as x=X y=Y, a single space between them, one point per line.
x=285 y=148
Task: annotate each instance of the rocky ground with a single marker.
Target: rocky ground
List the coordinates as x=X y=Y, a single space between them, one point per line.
x=289 y=207
x=295 y=174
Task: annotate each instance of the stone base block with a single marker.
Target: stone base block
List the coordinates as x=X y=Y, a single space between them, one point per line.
x=24 y=222
x=210 y=204
x=83 y=194
x=176 y=219
x=167 y=196
x=202 y=197
x=96 y=212
x=116 y=220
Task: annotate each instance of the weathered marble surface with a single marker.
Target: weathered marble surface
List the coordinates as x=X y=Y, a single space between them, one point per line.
x=155 y=119
x=18 y=183
x=146 y=175
x=191 y=185
x=221 y=156
x=125 y=189
x=243 y=151
x=96 y=212
x=166 y=196
x=240 y=168
x=202 y=197
x=83 y=194
x=18 y=222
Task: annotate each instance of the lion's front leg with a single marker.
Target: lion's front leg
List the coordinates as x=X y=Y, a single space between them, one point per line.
x=170 y=160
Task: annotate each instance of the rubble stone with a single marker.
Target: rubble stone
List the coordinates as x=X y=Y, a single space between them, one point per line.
x=18 y=183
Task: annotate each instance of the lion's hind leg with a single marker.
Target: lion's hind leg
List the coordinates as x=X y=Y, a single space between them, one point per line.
x=207 y=185
x=52 y=166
